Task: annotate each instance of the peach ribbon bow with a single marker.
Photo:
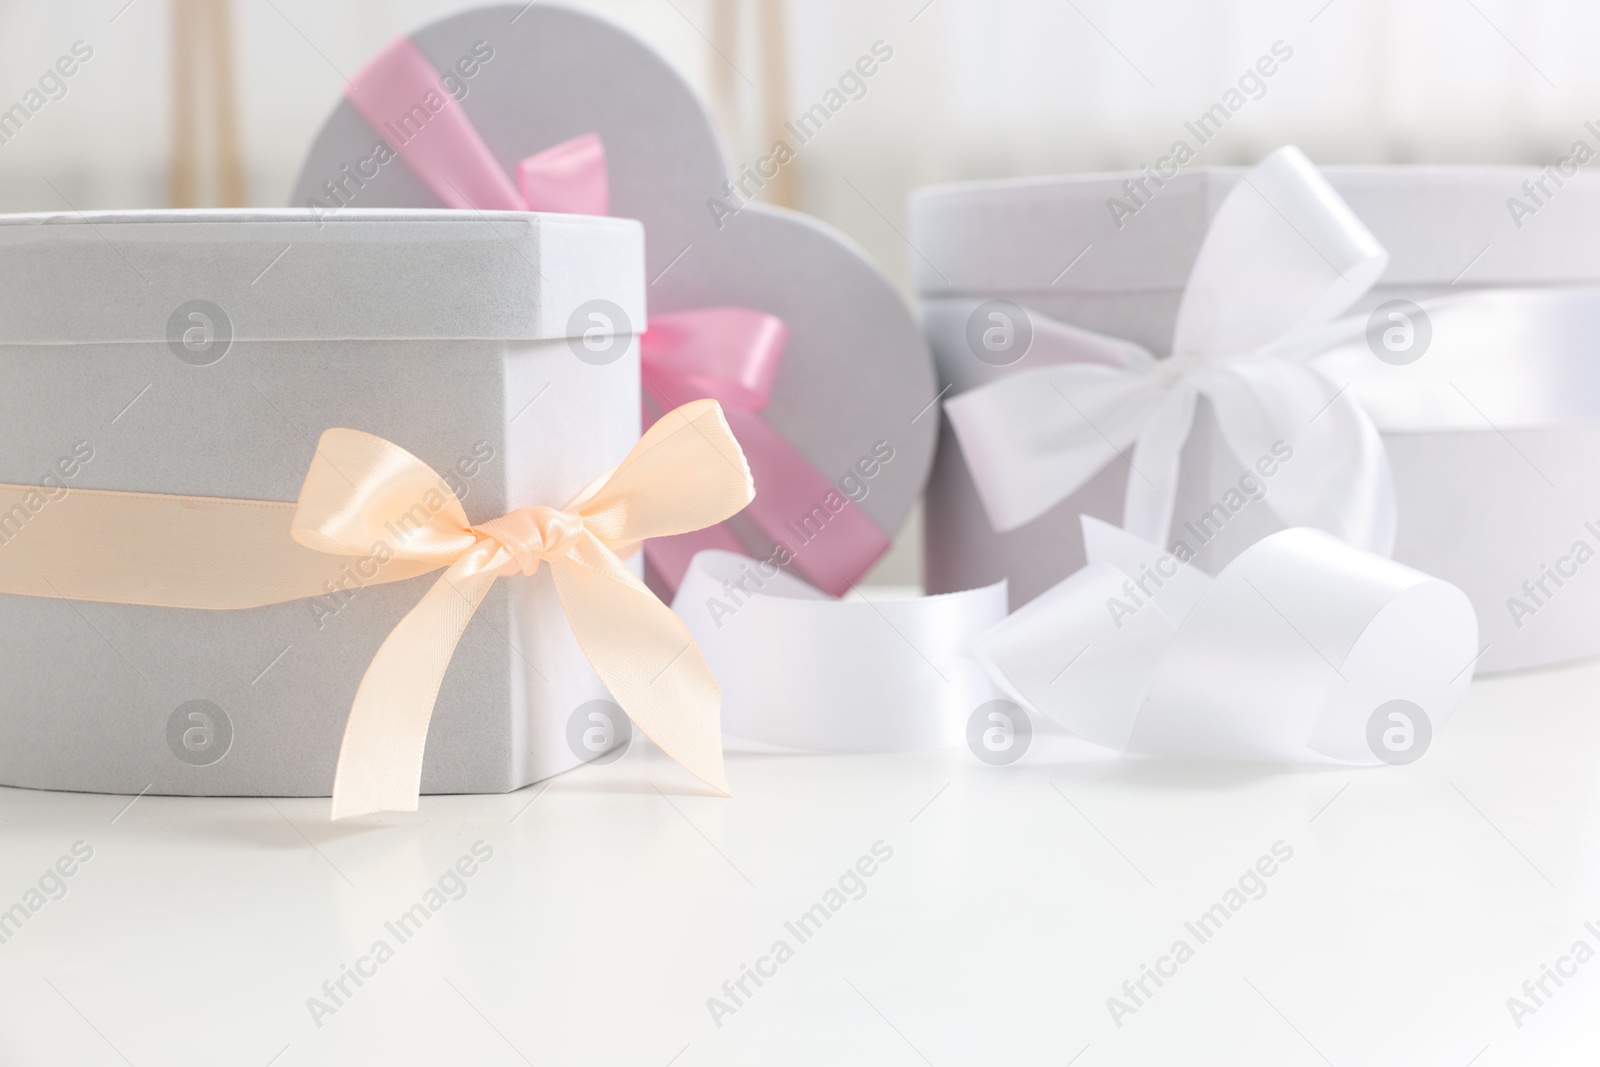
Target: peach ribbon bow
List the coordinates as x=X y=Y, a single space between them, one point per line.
x=687 y=472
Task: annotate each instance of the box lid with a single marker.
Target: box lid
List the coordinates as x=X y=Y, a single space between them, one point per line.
x=285 y=274
x=1467 y=226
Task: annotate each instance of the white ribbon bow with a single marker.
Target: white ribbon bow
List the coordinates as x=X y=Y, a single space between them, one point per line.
x=1283 y=256
x=1302 y=649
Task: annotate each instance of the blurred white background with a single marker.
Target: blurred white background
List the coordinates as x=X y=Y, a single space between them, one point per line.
x=976 y=88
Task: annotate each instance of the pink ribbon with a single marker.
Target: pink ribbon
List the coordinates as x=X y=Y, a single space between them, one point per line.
x=728 y=354
x=731 y=354
x=403 y=98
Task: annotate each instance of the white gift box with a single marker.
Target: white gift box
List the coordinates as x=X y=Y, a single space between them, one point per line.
x=1486 y=503
x=204 y=353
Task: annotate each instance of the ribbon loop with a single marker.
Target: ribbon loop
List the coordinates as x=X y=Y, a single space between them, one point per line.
x=1283 y=253
x=361 y=492
x=569 y=178
x=1283 y=256
x=1289 y=654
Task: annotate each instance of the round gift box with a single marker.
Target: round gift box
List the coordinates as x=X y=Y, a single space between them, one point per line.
x=1493 y=498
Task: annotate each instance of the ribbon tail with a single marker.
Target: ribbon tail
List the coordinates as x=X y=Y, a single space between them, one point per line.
x=1152 y=492
x=1283 y=255
x=646 y=658
x=380 y=759
x=1334 y=472
x=803 y=671
x=831 y=541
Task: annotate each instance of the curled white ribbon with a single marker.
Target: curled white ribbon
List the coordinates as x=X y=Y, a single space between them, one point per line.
x=1285 y=656
x=1283 y=257
x=802 y=670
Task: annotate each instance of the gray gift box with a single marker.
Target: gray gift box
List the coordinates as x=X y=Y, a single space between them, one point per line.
x=204 y=353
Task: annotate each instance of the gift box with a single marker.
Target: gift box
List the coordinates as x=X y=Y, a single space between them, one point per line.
x=1486 y=441
x=816 y=358
x=205 y=353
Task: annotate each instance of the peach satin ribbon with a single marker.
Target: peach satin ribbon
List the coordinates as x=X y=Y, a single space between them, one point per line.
x=364 y=494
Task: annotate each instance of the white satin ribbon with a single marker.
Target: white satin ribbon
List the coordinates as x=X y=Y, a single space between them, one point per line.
x=1497 y=360
x=1283 y=257
x=1284 y=656
x=802 y=670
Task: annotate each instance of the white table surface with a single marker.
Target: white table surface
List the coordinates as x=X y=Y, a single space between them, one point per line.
x=1017 y=900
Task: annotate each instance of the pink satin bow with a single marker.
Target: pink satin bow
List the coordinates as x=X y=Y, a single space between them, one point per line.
x=729 y=354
